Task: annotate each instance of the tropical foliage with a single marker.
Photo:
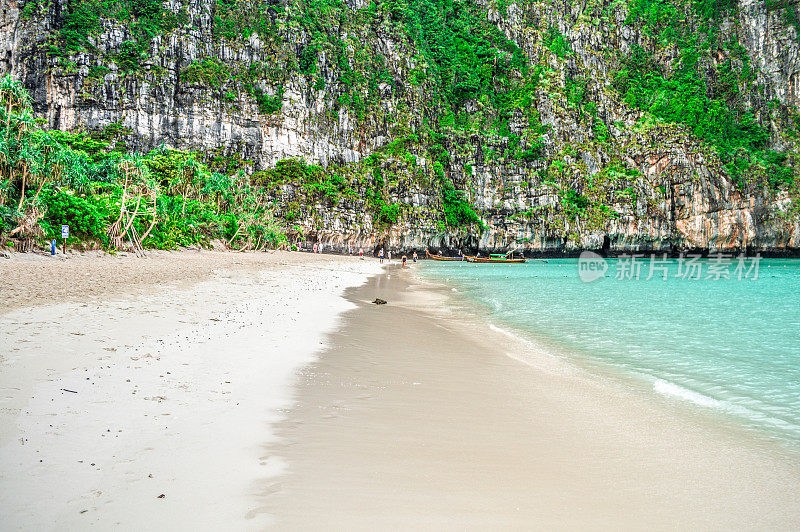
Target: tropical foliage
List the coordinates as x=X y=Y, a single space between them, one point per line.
x=164 y=199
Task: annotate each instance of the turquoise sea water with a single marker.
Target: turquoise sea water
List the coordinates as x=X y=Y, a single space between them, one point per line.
x=728 y=344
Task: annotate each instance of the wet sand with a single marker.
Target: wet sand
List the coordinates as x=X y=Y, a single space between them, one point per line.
x=418 y=418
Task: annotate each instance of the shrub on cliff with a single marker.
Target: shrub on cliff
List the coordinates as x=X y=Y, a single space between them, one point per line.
x=166 y=198
x=686 y=94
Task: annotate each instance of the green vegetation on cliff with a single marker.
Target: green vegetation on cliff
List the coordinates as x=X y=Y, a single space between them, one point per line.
x=164 y=199
x=469 y=56
x=711 y=105
x=457 y=92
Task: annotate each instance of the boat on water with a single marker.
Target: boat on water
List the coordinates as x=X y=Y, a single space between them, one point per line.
x=440 y=257
x=494 y=259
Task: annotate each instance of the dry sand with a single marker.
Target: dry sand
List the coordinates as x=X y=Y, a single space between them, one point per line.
x=417 y=418
x=122 y=379
x=28 y=279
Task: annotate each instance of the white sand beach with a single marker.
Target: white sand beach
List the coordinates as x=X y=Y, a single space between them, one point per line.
x=123 y=379
x=225 y=391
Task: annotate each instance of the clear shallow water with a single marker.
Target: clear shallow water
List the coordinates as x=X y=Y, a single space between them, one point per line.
x=726 y=344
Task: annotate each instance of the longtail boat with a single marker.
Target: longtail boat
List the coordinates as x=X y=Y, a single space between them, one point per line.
x=440 y=257
x=494 y=259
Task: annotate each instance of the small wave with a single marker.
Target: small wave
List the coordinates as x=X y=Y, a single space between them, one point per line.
x=670 y=388
x=531 y=345
x=753 y=415
x=495 y=328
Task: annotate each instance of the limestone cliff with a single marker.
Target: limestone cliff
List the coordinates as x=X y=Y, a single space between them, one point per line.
x=565 y=164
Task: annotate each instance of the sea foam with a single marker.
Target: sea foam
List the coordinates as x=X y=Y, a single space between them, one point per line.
x=675 y=390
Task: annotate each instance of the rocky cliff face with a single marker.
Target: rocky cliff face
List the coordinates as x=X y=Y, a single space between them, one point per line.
x=601 y=173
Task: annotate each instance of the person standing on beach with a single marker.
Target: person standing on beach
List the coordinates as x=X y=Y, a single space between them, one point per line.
x=388 y=256
x=360 y=252
x=315 y=247
x=380 y=255
x=414 y=257
x=404 y=261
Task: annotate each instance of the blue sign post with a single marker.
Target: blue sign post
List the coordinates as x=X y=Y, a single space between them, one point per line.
x=65 y=236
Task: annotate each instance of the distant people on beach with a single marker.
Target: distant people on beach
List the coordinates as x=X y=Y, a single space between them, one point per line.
x=388 y=256
x=380 y=255
x=360 y=252
x=404 y=261
x=414 y=257
x=315 y=247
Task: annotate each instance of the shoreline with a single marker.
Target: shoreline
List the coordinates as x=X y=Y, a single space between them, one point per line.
x=170 y=384
x=667 y=395
x=733 y=418
x=426 y=422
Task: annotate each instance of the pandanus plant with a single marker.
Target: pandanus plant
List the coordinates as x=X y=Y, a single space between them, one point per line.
x=179 y=172
x=46 y=161
x=189 y=170
x=255 y=224
x=139 y=199
x=16 y=118
x=13 y=98
x=217 y=186
x=28 y=156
